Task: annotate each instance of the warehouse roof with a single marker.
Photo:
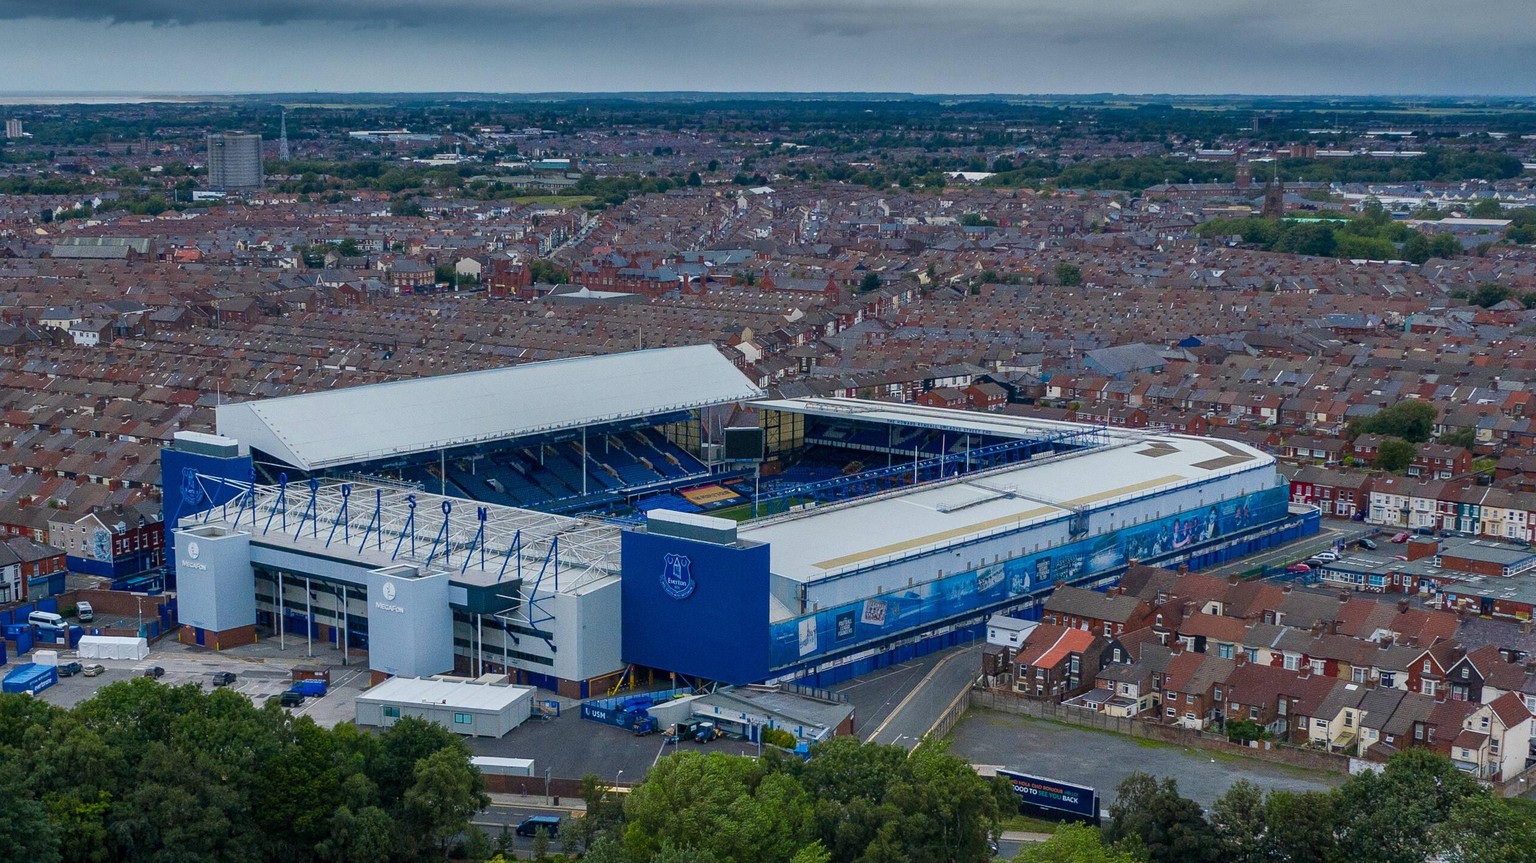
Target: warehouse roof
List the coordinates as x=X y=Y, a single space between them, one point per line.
x=445 y=693
x=326 y=429
x=831 y=540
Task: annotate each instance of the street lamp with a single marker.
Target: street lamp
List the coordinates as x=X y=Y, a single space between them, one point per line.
x=617 y=778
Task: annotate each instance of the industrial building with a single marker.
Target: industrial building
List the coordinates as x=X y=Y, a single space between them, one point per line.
x=234 y=162
x=562 y=522
x=471 y=709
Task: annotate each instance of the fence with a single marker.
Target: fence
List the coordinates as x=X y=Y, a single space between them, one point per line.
x=1298 y=757
x=951 y=715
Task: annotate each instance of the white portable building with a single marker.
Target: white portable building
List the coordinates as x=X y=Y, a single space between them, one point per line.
x=113 y=647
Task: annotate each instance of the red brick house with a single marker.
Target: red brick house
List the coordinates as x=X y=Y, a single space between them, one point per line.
x=1439 y=461
x=1108 y=614
x=1056 y=662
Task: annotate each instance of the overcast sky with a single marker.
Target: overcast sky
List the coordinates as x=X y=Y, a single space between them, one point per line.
x=926 y=46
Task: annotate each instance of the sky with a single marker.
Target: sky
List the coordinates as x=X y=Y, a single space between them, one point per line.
x=1390 y=47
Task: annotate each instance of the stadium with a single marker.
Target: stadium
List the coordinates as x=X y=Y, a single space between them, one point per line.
x=575 y=522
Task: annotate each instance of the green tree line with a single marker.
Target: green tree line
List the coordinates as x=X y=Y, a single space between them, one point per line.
x=850 y=803
x=1420 y=807
x=145 y=772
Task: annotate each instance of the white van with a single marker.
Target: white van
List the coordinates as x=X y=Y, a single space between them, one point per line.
x=84 y=611
x=45 y=618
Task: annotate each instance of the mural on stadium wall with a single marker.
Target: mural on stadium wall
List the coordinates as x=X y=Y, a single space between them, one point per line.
x=833 y=629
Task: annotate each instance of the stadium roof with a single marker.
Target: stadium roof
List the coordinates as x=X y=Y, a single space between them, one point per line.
x=838 y=539
x=338 y=427
x=945 y=419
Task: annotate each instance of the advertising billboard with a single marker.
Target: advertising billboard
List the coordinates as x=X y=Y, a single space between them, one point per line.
x=892 y=613
x=1055 y=795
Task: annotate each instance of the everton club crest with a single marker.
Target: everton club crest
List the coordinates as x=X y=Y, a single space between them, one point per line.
x=677 y=576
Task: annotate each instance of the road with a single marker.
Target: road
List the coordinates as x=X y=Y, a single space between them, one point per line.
x=502 y=814
x=1284 y=555
x=899 y=704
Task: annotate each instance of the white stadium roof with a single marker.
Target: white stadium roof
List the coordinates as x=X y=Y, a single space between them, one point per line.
x=817 y=543
x=337 y=427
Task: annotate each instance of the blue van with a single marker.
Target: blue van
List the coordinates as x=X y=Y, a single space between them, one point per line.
x=550 y=824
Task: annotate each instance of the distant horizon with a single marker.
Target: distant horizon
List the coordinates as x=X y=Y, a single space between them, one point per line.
x=151 y=95
x=1415 y=48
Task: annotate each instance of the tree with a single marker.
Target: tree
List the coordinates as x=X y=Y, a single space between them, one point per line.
x=1237 y=816
x=1073 y=843
x=25 y=831
x=1411 y=419
x=1299 y=826
x=1392 y=816
x=406 y=207
x=726 y=808
x=360 y=837
x=445 y=793
x=1483 y=829
x=1069 y=275
x=548 y=272
x=348 y=248
x=1465 y=438
x=694 y=179
x=1486 y=209
x=870 y=282
x=1395 y=455
x=1489 y=294
x=875 y=803
x=1171 y=828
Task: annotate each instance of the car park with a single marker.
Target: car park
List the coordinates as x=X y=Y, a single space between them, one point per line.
x=70 y=669
x=93 y=669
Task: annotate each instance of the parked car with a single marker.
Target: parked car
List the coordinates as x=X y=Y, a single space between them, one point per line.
x=1367 y=543
x=1401 y=536
x=70 y=669
x=154 y=671
x=93 y=669
x=1298 y=567
x=223 y=678
x=1399 y=557
x=291 y=699
x=84 y=611
x=1327 y=556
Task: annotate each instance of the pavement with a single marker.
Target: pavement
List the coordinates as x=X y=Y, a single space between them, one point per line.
x=570 y=747
x=262 y=670
x=1102 y=759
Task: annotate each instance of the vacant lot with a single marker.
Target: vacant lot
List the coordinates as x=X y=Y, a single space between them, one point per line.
x=1101 y=759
